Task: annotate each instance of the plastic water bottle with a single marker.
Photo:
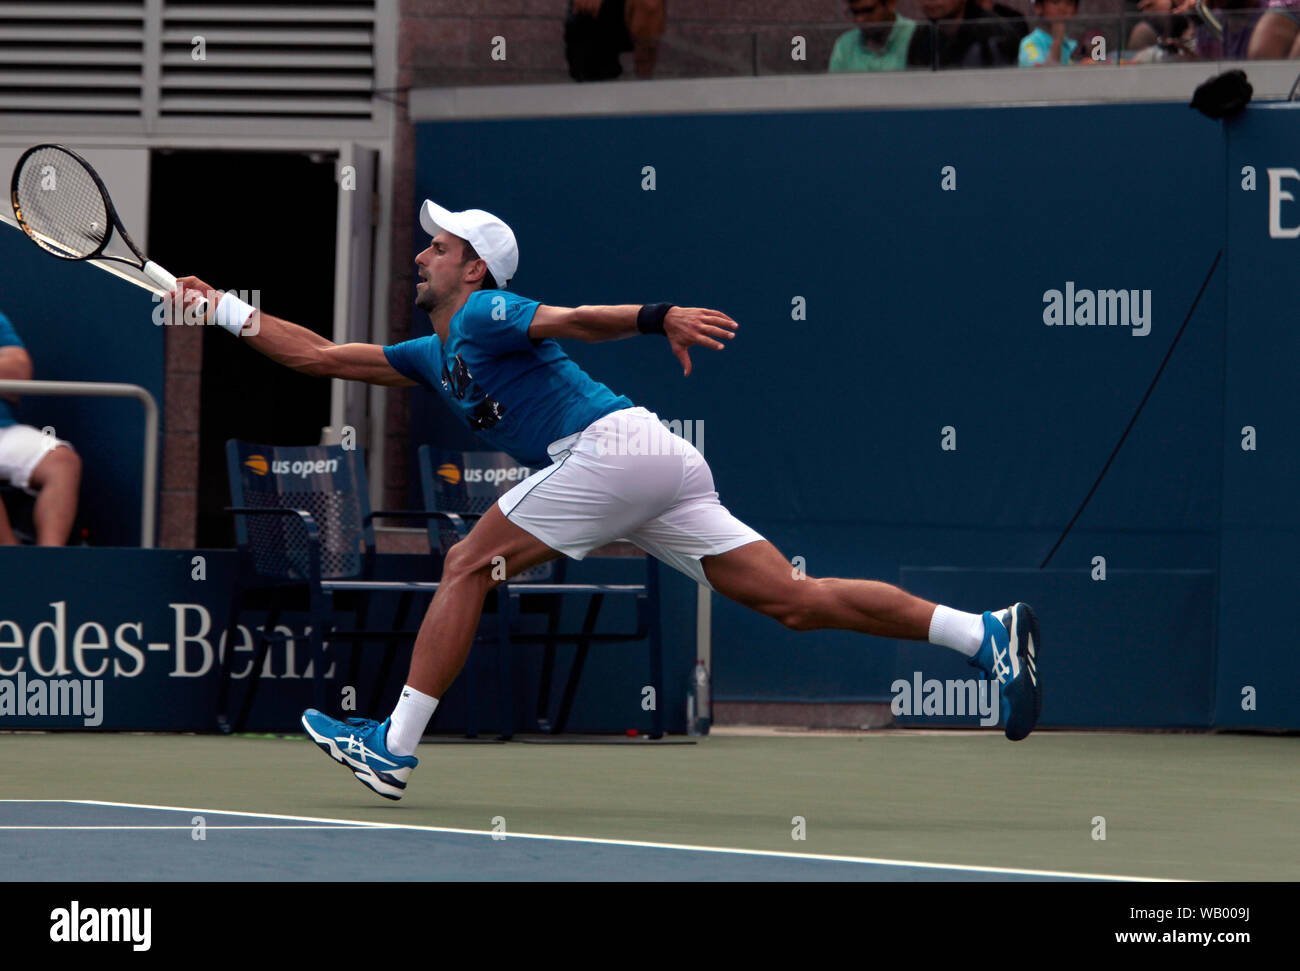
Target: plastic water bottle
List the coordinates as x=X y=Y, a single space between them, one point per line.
x=698 y=708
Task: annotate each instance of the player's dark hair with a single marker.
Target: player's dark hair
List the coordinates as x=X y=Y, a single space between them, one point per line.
x=468 y=254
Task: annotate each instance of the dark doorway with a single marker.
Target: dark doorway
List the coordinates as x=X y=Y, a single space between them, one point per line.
x=241 y=221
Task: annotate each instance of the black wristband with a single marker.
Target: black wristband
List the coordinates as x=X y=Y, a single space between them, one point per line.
x=650 y=318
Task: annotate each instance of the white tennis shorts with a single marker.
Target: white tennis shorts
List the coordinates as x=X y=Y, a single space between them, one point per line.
x=21 y=449
x=626 y=476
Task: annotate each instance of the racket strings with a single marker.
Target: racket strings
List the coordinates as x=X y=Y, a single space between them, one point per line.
x=60 y=205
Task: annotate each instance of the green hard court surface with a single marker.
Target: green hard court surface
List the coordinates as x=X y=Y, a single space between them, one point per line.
x=1181 y=806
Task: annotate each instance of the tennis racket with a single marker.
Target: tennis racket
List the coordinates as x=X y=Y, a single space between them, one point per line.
x=63 y=206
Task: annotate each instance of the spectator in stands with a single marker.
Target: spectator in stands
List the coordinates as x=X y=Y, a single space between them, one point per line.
x=1181 y=35
x=1048 y=43
x=1238 y=18
x=1162 y=26
x=1007 y=13
x=1277 y=34
x=596 y=32
x=39 y=464
x=961 y=33
x=878 y=43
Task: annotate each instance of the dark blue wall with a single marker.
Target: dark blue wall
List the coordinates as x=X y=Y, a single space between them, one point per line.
x=925 y=309
x=82 y=324
x=1259 y=564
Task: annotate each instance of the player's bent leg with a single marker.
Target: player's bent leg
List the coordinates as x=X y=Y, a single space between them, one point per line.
x=358 y=745
x=7 y=537
x=759 y=577
x=381 y=754
x=58 y=477
x=495 y=549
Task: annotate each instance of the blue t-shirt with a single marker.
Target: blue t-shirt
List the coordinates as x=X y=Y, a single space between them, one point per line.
x=517 y=393
x=8 y=338
x=1035 y=47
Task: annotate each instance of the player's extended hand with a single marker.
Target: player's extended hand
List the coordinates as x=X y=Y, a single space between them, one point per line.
x=193 y=289
x=685 y=326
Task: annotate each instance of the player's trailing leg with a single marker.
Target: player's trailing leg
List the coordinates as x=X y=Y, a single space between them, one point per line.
x=1005 y=643
x=1009 y=653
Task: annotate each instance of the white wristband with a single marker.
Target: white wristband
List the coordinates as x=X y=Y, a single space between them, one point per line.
x=233 y=313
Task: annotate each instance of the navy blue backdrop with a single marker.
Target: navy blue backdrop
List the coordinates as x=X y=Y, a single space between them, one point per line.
x=925 y=309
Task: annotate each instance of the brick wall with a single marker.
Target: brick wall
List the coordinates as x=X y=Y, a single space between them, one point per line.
x=178 y=502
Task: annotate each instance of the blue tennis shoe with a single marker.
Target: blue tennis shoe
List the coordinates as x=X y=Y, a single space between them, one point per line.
x=360 y=745
x=1009 y=653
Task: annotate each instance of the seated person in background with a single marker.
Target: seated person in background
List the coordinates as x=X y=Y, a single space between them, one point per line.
x=1182 y=35
x=878 y=43
x=597 y=31
x=1006 y=13
x=1048 y=43
x=1277 y=34
x=1238 y=18
x=39 y=464
x=961 y=33
x=1160 y=25
x=1092 y=48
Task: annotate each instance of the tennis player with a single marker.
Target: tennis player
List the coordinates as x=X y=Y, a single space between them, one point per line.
x=612 y=471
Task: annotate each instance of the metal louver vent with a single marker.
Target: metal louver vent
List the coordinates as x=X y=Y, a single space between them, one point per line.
x=287 y=59
x=261 y=59
x=62 y=57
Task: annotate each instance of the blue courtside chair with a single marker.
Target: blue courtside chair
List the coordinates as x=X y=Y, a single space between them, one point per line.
x=303 y=525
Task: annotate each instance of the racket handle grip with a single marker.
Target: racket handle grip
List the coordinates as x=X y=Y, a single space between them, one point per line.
x=168 y=282
x=159 y=276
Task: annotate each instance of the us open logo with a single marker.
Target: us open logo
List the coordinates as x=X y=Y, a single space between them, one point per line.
x=451 y=474
x=516 y=473
x=258 y=465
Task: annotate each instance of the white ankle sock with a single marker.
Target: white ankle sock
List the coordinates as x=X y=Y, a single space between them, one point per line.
x=961 y=631
x=409 y=718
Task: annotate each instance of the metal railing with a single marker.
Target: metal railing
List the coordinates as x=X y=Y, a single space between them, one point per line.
x=99 y=389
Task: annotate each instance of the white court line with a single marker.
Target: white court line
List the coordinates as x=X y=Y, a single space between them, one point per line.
x=592 y=840
x=195 y=826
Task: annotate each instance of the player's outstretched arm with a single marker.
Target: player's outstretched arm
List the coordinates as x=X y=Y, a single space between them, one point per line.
x=683 y=326
x=306 y=351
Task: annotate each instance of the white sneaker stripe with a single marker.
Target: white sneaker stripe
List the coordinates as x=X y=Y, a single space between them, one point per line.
x=1011 y=645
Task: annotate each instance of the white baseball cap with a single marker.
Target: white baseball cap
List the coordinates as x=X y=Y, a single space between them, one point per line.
x=491 y=238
